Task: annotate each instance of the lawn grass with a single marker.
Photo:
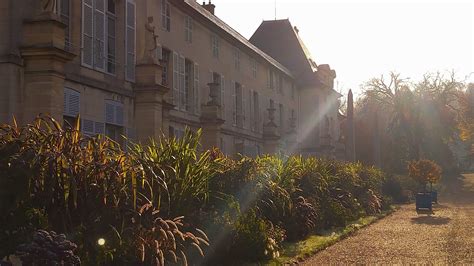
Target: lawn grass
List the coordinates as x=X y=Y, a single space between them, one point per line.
x=298 y=251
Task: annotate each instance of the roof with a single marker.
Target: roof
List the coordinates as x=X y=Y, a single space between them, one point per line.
x=275 y=36
x=233 y=34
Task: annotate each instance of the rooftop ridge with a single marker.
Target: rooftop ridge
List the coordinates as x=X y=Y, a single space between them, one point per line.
x=235 y=34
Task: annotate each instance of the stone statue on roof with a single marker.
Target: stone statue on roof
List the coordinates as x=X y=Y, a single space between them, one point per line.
x=151 y=44
x=49 y=6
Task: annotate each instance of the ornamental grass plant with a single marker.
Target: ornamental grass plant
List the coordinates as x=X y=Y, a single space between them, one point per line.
x=169 y=202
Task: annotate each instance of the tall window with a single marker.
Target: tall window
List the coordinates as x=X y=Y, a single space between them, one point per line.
x=185 y=83
x=65 y=17
x=236 y=59
x=215 y=46
x=98 y=34
x=111 y=49
x=197 y=101
x=166 y=66
x=188 y=29
x=256 y=111
x=253 y=65
x=292 y=90
x=165 y=15
x=219 y=79
x=270 y=79
x=188 y=85
x=238 y=106
x=280 y=84
x=281 y=113
x=130 y=41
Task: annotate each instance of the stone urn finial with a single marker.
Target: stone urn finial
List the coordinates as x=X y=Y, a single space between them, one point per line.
x=49 y=6
x=213 y=93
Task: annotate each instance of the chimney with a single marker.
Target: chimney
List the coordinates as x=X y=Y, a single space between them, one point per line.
x=209 y=7
x=297 y=30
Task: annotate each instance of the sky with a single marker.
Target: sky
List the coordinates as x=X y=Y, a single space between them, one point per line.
x=366 y=39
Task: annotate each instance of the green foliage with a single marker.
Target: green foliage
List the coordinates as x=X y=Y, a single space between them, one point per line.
x=399 y=188
x=87 y=188
x=255 y=239
x=148 y=202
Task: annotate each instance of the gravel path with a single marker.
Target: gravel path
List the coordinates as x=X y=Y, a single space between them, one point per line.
x=446 y=237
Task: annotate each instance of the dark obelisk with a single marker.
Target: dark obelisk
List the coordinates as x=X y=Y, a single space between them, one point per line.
x=350 y=131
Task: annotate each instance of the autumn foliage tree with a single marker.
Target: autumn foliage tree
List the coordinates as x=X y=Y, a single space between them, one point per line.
x=424 y=171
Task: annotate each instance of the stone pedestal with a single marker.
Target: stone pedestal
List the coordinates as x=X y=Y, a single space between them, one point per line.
x=291 y=143
x=150 y=109
x=326 y=148
x=44 y=55
x=340 y=151
x=271 y=138
x=211 y=122
x=271 y=134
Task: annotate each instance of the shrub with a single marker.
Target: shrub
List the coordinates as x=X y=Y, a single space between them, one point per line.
x=424 y=171
x=302 y=219
x=148 y=203
x=87 y=188
x=255 y=239
x=48 y=248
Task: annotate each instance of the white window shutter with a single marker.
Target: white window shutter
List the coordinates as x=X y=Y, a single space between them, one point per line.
x=119 y=120
x=269 y=78
x=222 y=99
x=87 y=32
x=244 y=105
x=114 y=113
x=182 y=89
x=234 y=103
x=251 y=112
x=130 y=41
x=159 y=52
x=197 y=101
x=175 y=80
x=109 y=113
x=88 y=127
x=72 y=102
x=66 y=101
x=99 y=128
x=211 y=80
x=99 y=34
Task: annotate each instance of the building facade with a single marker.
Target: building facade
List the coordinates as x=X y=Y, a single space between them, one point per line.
x=147 y=68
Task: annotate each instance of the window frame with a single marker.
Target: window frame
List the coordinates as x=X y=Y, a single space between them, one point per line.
x=111 y=58
x=107 y=57
x=237 y=56
x=127 y=52
x=215 y=46
x=253 y=66
x=188 y=29
x=165 y=15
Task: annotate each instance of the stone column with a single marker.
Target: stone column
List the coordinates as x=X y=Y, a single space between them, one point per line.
x=150 y=108
x=350 y=131
x=44 y=53
x=271 y=136
x=211 y=119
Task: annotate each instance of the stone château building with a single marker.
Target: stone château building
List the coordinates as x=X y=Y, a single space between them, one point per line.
x=143 y=68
